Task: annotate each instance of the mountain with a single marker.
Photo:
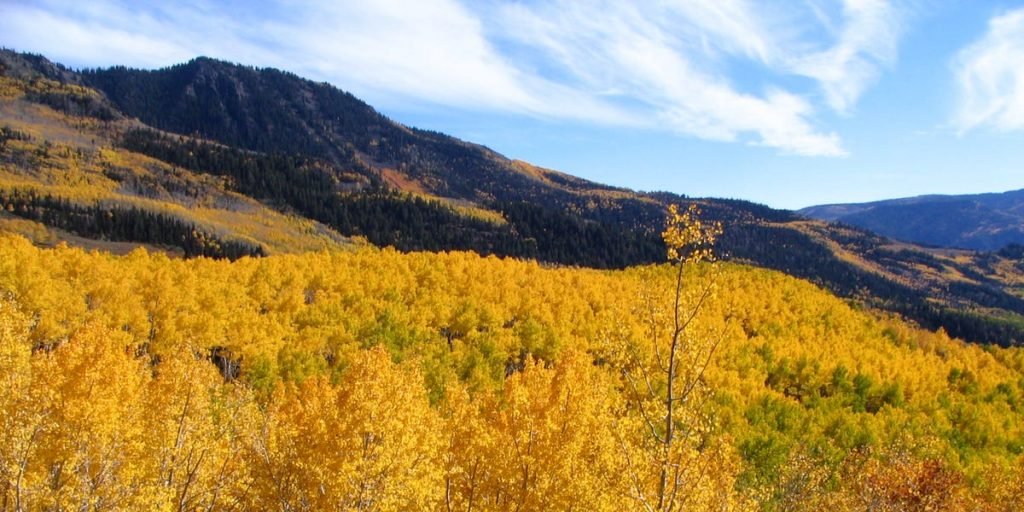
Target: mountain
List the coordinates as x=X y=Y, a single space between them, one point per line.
x=983 y=222
x=223 y=160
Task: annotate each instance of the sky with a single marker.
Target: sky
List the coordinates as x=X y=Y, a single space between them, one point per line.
x=790 y=103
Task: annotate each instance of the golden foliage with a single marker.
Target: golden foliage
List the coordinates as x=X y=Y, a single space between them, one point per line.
x=688 y=238
x=371 y=442
x=374 y=380
x=546 y=441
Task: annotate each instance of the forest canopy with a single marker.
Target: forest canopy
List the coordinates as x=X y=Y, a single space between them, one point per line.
x=375 y=380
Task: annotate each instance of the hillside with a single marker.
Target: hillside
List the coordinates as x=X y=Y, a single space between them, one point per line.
x=232 y=160
x=387 y=381
x=983 y=222
x=62 y=178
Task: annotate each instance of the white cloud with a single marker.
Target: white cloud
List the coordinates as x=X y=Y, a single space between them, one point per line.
x=990 y=74
x=111 y=32
x=668 y=65
x=65 y=38
x=429 y=49
x=865 y=44
x=664 y=58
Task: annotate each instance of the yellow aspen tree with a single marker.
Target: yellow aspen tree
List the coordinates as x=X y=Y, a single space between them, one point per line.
x=90 y=454
x=21 y=421
x=554 y=447
x=372 y=442
x=544 y=443
x=671 y=466
x=192 y=428
x=470 y=452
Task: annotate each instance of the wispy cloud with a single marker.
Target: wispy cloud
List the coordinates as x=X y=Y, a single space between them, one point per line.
x=107 y=32
x=865 y=45
x=64 y=35
x=719 y=70
x=662 y=62
x=433 y=50
x=990 y=74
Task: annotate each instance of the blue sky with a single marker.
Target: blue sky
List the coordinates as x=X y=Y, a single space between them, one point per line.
x=785 y=102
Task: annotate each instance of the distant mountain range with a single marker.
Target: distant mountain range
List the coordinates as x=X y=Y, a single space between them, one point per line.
x=983 y=222
x=223 y=160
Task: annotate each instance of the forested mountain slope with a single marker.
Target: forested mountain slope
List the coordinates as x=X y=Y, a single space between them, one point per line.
x=213 y=142
x=63 y=178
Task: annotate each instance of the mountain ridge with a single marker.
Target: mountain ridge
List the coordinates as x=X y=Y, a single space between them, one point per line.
x=984 y=222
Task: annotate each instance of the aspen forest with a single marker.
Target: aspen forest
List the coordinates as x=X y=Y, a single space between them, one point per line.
x=370 y=379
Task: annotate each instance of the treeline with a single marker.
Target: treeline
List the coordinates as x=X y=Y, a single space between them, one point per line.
x=73 y=100
x=572 y=239
x=390 y=218
x=120 y=223
x=1013 y=252
x=385 y=217
x=965 y=324
x=7 y=133
x=284 y=179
